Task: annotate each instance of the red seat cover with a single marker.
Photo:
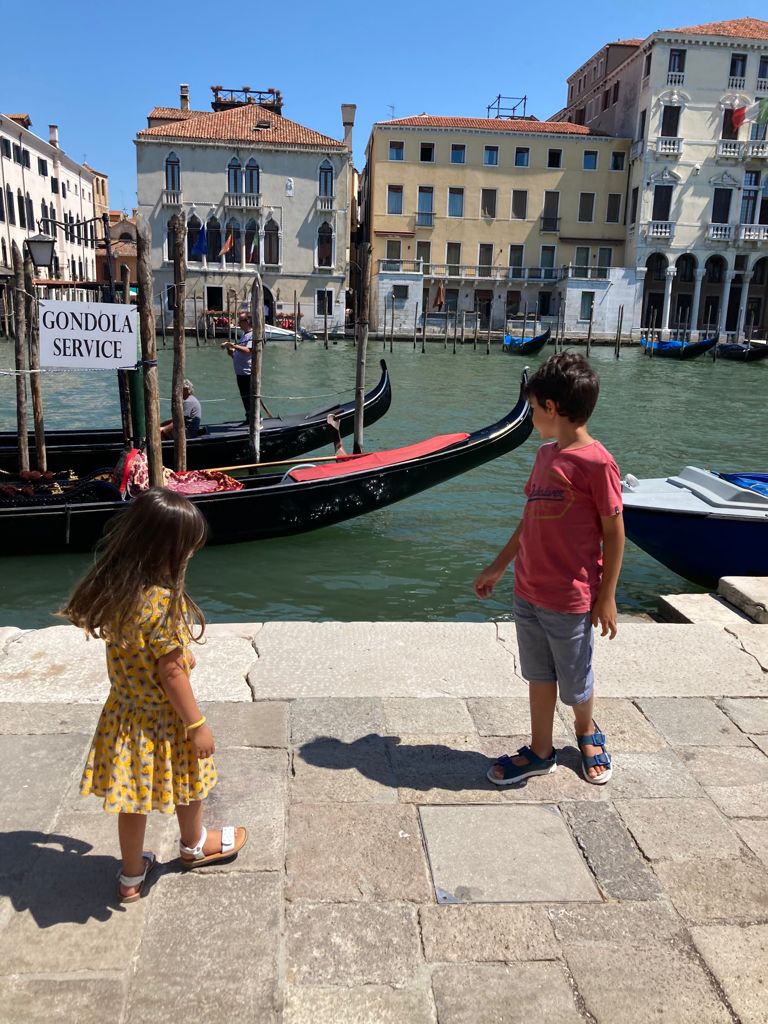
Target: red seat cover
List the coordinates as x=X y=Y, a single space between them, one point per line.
x=355 y=463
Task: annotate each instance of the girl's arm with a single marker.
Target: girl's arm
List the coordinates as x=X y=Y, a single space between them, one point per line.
x=604 y=611
x=491 y=575
x=175 y=681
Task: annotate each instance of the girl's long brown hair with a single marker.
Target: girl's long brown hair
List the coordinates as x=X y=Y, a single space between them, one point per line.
x=148 y=545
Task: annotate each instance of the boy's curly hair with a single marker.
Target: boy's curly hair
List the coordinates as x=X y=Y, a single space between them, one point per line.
x=570 y=382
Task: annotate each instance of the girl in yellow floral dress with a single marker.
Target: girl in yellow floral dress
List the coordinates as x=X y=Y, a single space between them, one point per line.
x=152 y=749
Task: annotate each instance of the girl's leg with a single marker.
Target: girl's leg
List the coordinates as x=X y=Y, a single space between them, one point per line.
x=130 y=830
x=190 y=818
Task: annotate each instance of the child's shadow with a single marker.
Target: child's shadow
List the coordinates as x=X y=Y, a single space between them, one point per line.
x=56 y=879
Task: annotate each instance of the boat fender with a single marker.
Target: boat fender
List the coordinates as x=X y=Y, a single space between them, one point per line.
x=629 y=483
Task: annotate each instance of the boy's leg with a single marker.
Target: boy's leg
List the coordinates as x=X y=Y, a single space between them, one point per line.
x=542 y=698
x=130 y=831
x=584 y=725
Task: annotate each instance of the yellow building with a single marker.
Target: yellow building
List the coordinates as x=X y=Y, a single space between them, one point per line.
x=492 y=216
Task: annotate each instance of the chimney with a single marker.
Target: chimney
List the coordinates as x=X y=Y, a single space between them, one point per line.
x=184 y=97
x=53 y=135
x=348 y=120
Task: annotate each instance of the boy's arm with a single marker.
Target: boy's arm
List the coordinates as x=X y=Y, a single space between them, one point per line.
x=175 y=681
x=491 y=575
x=604 y=611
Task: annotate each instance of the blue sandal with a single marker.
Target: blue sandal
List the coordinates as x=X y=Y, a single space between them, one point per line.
x=595 y=739
x=519 y=772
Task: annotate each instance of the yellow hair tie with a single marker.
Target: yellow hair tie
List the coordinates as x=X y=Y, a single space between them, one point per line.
x=195 y=725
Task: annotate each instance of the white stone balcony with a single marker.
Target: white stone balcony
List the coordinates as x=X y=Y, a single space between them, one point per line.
x=719 y=232
x=242 y=200
x=326 y=204
x=675 y=78
x=756 y=149
x=736 y=82
x=729 y=149
x=762 y=85
x=668 y=146
x=172 y=197
x=662 y=230
x=753 y=233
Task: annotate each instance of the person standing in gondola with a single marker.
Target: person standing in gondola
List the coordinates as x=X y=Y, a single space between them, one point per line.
x=241 y=352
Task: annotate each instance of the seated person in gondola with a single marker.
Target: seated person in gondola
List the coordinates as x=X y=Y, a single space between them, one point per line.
x=193 y=413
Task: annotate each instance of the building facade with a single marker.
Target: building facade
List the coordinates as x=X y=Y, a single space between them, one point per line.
x=494 y=218
x=41 y=185
x=260 y=192
x=697 y=218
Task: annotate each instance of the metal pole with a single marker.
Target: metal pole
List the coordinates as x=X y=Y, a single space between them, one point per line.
x=362 y=349
x=162 y=317
x=33 y=347
x=20 y=359
x=179 y=228
x=257 y=351
x=149 y=351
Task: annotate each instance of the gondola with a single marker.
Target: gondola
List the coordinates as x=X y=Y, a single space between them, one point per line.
x=674 y=348
x=701 y=525
x=296 y=499
x=742 y=352
x=223 y=444
x=521 y=347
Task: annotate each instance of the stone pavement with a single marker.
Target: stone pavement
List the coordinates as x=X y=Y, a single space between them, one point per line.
x=385 y=880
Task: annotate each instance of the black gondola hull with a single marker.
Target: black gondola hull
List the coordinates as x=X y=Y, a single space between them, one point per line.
x=687 y=351
x=226 y=444
x=529 y=348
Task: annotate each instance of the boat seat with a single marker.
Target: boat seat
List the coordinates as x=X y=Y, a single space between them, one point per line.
x=356 y=463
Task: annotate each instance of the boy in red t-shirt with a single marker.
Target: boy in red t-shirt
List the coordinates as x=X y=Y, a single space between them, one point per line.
x=567 y=551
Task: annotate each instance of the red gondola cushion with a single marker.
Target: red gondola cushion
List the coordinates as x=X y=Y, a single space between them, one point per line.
x=355 y=463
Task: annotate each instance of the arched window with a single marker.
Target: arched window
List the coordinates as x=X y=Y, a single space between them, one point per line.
x=194 y=253
x=127 y=237
x=271 y=244
x=234 y=176
x=325 y=245
x=72 y=269
x=232 y=243
x=3 y=249
x=93 y=236
x=78 y=232
x=44 y=215
x=252 y=242
x=172 y=173
x=252 y=177
x=2 y=206
x=9 y=205
x=213 y=232
x=80 y=269
x=30 y=212
x=325 y=181
x=22 y=211
x=170 y=240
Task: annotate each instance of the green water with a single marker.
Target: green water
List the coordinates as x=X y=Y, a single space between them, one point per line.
x=417 y=559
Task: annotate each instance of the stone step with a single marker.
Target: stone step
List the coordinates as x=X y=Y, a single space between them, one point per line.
x=749 y=593
x=699 y=608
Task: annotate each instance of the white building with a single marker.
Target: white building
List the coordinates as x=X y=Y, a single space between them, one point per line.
x=697 y=212
x=270 y=195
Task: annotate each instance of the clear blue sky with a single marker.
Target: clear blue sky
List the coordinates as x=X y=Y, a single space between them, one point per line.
x=96 y=69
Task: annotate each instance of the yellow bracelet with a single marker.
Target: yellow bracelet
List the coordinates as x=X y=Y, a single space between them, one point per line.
x=195 y=725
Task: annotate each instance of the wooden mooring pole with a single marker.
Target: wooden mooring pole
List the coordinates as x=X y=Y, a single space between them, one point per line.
x=149 y=351
x=257 y=353
x=362 y=349
x=33 y=348
x=20 y=358
x=415 y=325
x=295 y=321
x=179 y=228
x=589 y=329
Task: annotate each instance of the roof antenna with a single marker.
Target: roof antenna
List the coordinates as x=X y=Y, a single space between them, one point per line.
x=391 y=108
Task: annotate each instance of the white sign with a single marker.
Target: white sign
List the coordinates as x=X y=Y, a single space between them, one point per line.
x=88 y=335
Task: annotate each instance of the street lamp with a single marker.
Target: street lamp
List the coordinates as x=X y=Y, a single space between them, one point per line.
x=40 y=248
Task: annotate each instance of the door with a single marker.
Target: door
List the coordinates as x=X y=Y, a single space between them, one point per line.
x=214 y=298
x=484 y=260
x=483 y=303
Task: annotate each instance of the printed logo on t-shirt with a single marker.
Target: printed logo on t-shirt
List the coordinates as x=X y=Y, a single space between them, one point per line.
x=551 y=500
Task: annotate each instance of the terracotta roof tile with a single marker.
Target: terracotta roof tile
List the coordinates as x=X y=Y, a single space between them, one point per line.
x=492 y=124
x=626 y=42
x=23 y=119
x=742 y=28
x=240 y=125
x=176 y=113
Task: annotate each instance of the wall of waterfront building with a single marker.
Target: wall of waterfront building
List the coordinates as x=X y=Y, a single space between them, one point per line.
x=283 y=221
x=39 y=182
x=526 y=221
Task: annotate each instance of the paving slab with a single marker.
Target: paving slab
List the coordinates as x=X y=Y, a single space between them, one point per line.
x=741 y=801
x=342 y=718
x=331 y=770
x=508 y=716
x=738 y=766
x=761 y=742
x=243 y=630
x=679 y=829
x=632 y=985
x=348 y=853
x=618 y=924
x=54 y=665
x=750 y=593
x=440 y=769
x=374 y=659
x=754 y=642
x=625 y=727
x=692 y=722
x=754 y=832
x=30 y=764
x=487 y=933
x=716 y=891
x=483 y=855
x=233 y=978
x=738 y=958
x=222 y=667
x=352 y=944
x=698 y=608
x=616 y=863
x=654 y=776
x=60 y=1000
x=447 y=715
x=749 y=713
x=504 y=994
x=368 y=1004
x=22 y=719
x=236 y=724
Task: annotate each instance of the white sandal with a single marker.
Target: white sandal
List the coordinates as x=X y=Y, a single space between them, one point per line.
x=128 y=881
x=231 y=845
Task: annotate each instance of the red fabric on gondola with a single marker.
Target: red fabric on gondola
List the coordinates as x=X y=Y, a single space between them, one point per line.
x=355 y=463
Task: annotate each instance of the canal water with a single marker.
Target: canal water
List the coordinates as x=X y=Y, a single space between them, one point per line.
x=415 y=560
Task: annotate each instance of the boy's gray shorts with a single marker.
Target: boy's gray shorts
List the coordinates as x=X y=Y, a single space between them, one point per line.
x=556 y=647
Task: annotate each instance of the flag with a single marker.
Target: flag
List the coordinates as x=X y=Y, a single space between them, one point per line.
x=228 y=244
x=757 y=112
x=200 y=248
x=254 y=251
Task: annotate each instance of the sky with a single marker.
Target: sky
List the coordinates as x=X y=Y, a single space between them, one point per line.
x=103 y=66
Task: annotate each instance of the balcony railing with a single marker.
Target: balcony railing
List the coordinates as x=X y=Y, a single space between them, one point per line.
x=479 y=271
x=719 y=232
x=762 y=85
x=736 y=82
x=753 y=232
x=636 y=149
x=401 y=266
x=729 y=149
x=675 y=78
x=242 y=200
x=661 y=229
x=550 y=224
x=668 y=146
x=756 y=149
x=587 y=273
x=171 y=197
x=424 y=219
x=326 y=203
